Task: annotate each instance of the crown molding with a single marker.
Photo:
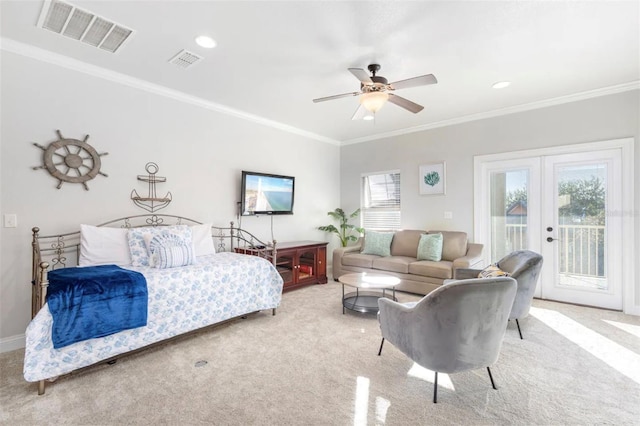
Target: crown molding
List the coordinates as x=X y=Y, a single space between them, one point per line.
x=625 y=87
x=43 y=55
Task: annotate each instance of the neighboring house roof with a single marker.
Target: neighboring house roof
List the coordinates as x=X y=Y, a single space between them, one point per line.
x=518 y=208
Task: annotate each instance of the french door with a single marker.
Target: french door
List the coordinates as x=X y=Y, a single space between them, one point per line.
x=566 y=207
x=582 y=235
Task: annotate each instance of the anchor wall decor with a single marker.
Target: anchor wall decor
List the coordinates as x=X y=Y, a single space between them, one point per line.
x=151 y=202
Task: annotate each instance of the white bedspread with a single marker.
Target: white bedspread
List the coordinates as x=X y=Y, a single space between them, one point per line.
x=218 y=287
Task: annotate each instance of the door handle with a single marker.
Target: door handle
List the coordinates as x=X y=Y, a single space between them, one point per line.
x=549 y=239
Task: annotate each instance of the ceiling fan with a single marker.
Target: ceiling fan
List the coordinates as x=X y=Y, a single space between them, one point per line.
x=375 y=91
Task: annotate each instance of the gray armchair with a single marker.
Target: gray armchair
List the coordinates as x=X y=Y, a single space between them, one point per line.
x=457 y=327
x=524 y=266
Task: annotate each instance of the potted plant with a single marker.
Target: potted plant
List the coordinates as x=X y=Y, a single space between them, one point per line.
x=345 y=229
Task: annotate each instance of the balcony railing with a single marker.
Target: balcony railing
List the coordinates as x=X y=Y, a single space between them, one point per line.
x=582 y=247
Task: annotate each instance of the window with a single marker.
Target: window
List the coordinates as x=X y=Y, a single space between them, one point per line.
x=381 y=200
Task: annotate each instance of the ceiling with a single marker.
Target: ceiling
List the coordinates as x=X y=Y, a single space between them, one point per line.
x=273 y=58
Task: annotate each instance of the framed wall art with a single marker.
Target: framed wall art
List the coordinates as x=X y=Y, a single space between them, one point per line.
x=432 y=179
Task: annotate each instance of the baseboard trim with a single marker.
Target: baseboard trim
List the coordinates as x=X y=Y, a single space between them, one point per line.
x=12 y=343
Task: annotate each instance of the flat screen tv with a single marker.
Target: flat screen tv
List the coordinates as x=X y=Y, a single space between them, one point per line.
x=264 y=193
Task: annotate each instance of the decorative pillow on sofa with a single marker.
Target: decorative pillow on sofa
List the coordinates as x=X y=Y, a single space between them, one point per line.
x=169 y=250
x=378 y=243
x=492 y=271
x=430 y=247
x=454 y=245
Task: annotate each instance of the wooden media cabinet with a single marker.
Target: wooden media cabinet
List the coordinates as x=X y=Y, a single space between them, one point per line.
x=299 y=263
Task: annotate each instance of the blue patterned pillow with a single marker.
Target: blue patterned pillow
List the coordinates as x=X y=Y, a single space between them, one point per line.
x=378 y=243
x=430 y=247
x=171 y=255
x=136 y=237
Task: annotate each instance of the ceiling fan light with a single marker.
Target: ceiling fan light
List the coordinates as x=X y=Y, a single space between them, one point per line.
x=373 y=101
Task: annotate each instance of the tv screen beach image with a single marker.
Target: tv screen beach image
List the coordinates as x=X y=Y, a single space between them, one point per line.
x=268 y=194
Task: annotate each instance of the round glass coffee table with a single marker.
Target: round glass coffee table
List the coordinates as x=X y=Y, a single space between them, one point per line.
x=369 y=288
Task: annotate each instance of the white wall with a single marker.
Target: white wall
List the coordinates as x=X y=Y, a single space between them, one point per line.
x=199 y=151
x=597 y=119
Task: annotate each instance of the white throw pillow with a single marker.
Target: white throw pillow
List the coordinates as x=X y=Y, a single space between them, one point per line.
x=103 y=246
x=169 y=250
x=202 y=240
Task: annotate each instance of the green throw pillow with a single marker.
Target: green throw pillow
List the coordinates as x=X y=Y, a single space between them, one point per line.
x=430 y=247
x=378 y=243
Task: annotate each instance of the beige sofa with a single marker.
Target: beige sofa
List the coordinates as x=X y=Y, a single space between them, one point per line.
x=417 y=276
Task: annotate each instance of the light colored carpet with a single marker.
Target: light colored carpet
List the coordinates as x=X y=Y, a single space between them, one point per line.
x=312 y=365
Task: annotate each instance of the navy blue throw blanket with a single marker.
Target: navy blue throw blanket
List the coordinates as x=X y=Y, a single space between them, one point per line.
x=95 y=301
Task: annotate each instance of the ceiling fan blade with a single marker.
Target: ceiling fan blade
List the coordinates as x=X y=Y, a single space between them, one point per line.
x=405 y=103
x=361 y=75
x=343 y=95
x=415 y=81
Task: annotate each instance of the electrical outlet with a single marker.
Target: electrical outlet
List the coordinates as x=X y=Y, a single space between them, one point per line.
x=10 y=220
x=448 y=215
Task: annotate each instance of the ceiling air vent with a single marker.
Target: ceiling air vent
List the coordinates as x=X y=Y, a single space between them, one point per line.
x=79 y=24
x=185 y=59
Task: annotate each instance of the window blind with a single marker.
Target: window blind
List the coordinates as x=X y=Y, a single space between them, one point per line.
x=381 y=200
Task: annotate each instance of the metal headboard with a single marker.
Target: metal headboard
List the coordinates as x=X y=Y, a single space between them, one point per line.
x=62 y=250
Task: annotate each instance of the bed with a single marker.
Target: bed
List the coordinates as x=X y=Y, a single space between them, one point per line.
x=218 y=286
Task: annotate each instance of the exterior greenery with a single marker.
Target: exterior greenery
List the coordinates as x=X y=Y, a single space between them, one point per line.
x=345 y=230
x=585 y=201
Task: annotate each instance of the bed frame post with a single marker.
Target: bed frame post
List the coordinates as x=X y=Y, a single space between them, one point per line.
x=35 y=259
x=39 y=279
x=41 y=298
x=44 y=283
x=274 y=253
x=231 y=234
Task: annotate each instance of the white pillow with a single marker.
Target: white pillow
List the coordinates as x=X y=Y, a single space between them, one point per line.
x=202 y=240
x=103 y=246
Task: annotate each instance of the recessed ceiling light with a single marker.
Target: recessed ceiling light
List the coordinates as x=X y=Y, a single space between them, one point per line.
x=501 y=84
x=368 y=117
x=206 y=42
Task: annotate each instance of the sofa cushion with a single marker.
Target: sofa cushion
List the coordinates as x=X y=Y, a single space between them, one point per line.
x=405 y=243
x=454 y=244
x=430 y=247
x=378 y=243
x=359 y=260
x=428 y=268
x=393 y=263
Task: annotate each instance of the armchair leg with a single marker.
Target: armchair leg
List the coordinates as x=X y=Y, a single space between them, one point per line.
x=435 y=389
x=491 y=378
x=519 y=332
x=381 y=343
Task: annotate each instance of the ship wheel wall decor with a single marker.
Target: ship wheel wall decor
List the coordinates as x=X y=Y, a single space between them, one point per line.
x=151 y=202
x=71 y=160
